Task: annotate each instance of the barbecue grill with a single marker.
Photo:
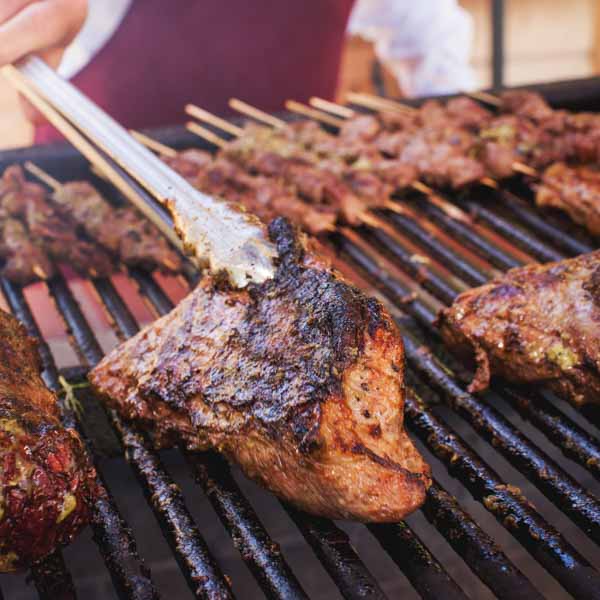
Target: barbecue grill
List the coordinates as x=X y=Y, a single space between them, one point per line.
x=512 y=512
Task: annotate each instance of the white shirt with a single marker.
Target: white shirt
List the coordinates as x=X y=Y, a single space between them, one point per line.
x=425 y=43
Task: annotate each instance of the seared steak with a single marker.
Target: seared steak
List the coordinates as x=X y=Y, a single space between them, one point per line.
x=298 y=380
x=536 y=324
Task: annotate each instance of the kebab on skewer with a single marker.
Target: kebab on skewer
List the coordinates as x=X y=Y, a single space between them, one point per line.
x=55 y=234
x=125 y=233
x=47 y=484
x=573 y=189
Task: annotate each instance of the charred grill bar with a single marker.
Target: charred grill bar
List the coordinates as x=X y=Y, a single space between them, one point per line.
x=473 y=252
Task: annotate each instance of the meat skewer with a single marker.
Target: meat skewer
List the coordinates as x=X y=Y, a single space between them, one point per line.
x=47 y=484
x=572 y=189
x=264 y=197
x=122 y=231
x=24 y=260
x=538 y=324
x=54 y=233
x=303 y=390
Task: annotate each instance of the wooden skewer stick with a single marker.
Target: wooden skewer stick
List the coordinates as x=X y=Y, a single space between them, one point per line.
x=525 y=169
x=378 y=103
x=43 y=176
x=485 y=97
x=153 y=145
x=251 y=111
x=208 y=117
x=39 y=271
x=312 y=113
x=206 y=134
x=336 y=109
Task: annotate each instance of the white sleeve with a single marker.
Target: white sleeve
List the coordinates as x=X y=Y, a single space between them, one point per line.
x=103 y=19
x=426 y=43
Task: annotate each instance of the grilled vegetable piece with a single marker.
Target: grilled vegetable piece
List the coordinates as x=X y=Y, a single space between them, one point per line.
x=23 y=260
x=46 y=481
x=124 y=232
x=537 y=324
x=298 y=380
x=575 y=190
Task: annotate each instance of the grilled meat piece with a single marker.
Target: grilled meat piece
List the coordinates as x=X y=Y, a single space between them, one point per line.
x=124 y=232
x=265 y=197
x=24 y=261
x=53 y=233
x=575 y=190
x=537 y=324
x=47 y=484
x=526 y=104
x=298 y=380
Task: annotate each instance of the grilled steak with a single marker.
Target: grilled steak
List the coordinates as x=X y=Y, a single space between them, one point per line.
x=46 y=481
x=536 y=324
x=298 y=380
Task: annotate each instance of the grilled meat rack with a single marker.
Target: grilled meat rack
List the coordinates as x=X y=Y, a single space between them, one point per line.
x=513 y=512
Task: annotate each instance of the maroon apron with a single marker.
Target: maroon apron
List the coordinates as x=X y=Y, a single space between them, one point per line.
x=166 y=54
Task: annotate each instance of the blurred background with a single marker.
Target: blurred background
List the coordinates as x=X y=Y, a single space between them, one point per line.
x=543 y=40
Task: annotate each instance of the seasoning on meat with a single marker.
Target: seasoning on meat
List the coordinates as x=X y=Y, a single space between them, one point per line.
x=47 y=484
x=536 y=324
x=298 y=380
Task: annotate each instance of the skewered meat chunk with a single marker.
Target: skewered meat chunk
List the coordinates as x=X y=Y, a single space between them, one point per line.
x=265 y=197
x=298 y=380
x=575 y=190
x=528 y=104
x=52 y=233
x=537 y=324
x=47 y=484
x=24 y=261
x=123 y=231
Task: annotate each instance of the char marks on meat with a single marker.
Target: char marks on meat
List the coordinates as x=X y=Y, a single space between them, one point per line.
x=537 y=324
x=298 y=380
x=47 y=484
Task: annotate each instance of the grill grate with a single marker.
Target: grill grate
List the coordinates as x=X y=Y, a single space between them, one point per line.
x=456 y=428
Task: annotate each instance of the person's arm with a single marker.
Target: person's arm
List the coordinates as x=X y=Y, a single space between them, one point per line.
x=425 y=43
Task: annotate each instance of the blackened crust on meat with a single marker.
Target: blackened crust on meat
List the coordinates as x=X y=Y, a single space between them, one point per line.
x=325 y=321
x=296 y=380
x=47 y=484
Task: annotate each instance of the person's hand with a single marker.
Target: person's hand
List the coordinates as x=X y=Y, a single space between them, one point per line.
x=42 y=27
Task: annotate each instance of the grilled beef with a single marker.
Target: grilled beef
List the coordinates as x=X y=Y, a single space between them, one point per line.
x=46 y=481
x=124 y=232
x=23 y=260
x=575 y=190
x=537 y=324
x=298 y=380
x=52 y=233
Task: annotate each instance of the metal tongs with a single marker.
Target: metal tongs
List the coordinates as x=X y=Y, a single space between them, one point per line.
x=221 y=235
